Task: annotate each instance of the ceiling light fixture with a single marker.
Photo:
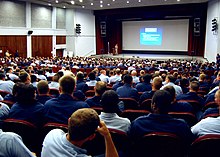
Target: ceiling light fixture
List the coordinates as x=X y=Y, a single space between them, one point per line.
x=128 y=2
x=49 y=4
x=72 y=2
x=101 y=6
x=139 y=1
x=57 y=1
x=101 y=2
x=80 y=1
x=64 y=7
x=108 y=4
x=92 y=4
x=83 y=6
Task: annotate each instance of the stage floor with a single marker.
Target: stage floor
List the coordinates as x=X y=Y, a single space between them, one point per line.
x=155 y=56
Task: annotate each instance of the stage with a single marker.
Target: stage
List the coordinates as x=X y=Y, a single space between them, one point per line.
x=161 y=57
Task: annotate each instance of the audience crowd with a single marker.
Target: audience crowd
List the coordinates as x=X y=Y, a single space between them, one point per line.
x=91 y=94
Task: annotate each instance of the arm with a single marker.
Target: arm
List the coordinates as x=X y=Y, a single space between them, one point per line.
x=109 y=145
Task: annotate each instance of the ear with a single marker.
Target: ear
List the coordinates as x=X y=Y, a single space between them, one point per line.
x=60 y=89
x=68 y=121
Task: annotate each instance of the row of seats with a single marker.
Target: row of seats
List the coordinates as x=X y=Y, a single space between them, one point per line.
x=156 y=144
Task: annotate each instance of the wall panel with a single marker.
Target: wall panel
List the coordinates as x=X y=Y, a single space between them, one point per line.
x=41 y=46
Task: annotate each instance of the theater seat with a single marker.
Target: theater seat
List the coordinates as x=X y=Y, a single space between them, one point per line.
x=133 y=114
x=212 y=104
x=3 y=93
x=28 y=131
x=146 y=105
x=189 y=117
x=129 y=103
x=205 y=146
x=159 y=144
x=54 y=92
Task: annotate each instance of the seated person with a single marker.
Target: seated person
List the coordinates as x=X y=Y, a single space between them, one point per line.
x=146 y=85
x=25 y=77
x=209 y=125
x=12 y=145
x=175 y=105
x=95 y=101
x=4 y=111
x=43 y=92
x=26 y=107
x=126 y=91
x=59 y=143
x=92 y=79
x=80 y=84
x=156 y=85
x=160 y=121
x=6 y=85
x=109 y=115
x=192 y=94
x=60 y=109
x=54 y=84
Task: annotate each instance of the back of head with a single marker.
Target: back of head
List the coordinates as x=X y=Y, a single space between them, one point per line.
x=100 y=87
x=80 y=76
x=202 y=77
x=194 y=85
x=171 y=90
x=42 y=87
x=161 y=101
x=23 y=76
x=128 y=79
x=2 y=76
x=33 y=78
x=147 y=78
x=82 y=124
x=171 y=78
x=110 y=101
x=25 y=93
x=91 y=76
x=56 y=78
x=157 y=83
x=67 y=84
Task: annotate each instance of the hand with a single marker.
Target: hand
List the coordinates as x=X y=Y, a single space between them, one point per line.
x=102 y=129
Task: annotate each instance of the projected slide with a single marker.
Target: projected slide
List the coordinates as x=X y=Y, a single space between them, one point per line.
x=155 y=35
x=151 y=36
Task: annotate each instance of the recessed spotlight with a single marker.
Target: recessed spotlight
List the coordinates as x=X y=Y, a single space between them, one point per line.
x=113 y=0
x=72 y=2
x=128 y=2
x=178 y=0
x=92 y=4
x=49 y=4
x=139 y=1
x=101 y=2
x=108 y=4
x=57 y=1
x=83 y=6
x=80 y=1
x=64 y=7
x=101 y=6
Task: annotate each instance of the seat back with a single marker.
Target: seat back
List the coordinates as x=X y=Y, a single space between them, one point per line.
x=189 y=117
x=54 y=92
x=7 y=102
x=159 y=144
x=129 y=103
x=28 y=132
x=90 y=93
x=97 y=109
x=212 y=104
x=206 y=145
x=3 y=93
x=133 y=114
x=195 y=104
x=146 y=105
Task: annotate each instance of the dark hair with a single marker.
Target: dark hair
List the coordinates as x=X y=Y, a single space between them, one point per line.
x=33 y=78
x=82 y=124
x=171 y=90
x=110 y=101
x=127 y=79
x=2 y=76
x=162 y=100
x=91 y=76
x=147 y=78
x=194 y=85
x=23 y=76
x=171 y=78
x=25 y=93
x=67 y=84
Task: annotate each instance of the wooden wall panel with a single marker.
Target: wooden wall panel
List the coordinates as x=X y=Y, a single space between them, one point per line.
x=60 y=39
x=41 y=46
x=13 y=43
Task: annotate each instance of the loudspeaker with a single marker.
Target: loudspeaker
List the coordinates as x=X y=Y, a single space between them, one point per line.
x=196 y=25
x=214 y=25
x=103 y=28
x=30 y=32
x=78 y=28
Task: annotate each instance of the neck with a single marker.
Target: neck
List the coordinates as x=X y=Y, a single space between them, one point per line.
x=75 y=143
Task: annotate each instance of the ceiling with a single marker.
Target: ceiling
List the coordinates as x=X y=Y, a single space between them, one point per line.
x=109 y=4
